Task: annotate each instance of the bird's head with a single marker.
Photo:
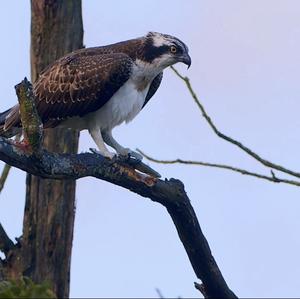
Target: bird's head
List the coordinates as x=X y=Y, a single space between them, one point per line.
x=165 y=50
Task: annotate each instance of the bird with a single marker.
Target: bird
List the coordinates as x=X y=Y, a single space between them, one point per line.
x=99 y=88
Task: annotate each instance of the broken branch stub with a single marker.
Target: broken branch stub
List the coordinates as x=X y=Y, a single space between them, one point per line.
x=31 y=122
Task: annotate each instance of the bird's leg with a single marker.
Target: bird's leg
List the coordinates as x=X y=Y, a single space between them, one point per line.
x=102 y=149
x=109 y=139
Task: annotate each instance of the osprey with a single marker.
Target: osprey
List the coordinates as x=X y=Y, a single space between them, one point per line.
x=101 y=87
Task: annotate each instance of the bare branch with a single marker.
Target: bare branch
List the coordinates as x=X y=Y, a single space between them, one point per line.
x=169 y=193
x=272 y=178
x=229 y=139
x=4 y=176
x=159 y=293
x=6 y=244
x=6 y=170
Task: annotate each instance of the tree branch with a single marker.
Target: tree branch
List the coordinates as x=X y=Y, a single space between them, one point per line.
x=169 y=193
x=229 y=139
x=273 y=178
x=6 y=244
x=4 y=176
x=6 y=170
x=200 y=287
x=31 y=122
x=159 y=293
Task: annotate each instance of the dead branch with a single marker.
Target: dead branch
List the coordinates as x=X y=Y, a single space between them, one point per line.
x=169 y=193
x=6 y=169
x=273 y=178
x=31 y=122
x=159 y=293
x=229 y=139
x=4 y=176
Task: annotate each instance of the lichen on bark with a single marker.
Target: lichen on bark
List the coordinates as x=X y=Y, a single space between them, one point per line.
x=31 y=122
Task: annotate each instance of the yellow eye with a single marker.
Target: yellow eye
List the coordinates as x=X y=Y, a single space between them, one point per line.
x=173 y=49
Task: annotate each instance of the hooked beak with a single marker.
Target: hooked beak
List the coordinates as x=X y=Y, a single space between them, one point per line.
x=186 y=59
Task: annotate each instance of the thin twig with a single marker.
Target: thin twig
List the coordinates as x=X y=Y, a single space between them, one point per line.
x=229 y=139
x=6 y=170
x=159 y=293
x=4 y=176
x=272 y=178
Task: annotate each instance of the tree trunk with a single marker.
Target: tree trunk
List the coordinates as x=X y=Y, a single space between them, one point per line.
x=56 y=29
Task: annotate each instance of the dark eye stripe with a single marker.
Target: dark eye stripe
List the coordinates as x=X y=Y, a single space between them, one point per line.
x=152 y=52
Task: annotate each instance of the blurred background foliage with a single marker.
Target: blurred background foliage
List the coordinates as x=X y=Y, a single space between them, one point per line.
x=25 y=288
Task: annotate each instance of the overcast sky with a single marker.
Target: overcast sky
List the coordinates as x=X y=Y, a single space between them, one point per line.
x=246 y=71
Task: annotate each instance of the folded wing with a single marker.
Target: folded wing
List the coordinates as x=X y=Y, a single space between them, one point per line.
x=75 y=85
x=80 y=85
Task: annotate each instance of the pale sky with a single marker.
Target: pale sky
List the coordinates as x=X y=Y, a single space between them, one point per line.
x=246 y=70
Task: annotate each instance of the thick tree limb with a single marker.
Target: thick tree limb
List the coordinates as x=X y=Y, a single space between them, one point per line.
x=169 y=193
x=273 y=178
x=229 y=139
x=6 y=244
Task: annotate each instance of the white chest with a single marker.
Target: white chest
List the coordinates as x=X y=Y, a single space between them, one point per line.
x=125 y=104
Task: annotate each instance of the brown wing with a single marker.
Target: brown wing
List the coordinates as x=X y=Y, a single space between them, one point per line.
x=77 y=85
x=153 y=87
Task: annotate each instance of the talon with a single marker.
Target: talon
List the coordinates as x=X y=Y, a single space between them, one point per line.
x=94 y=151
x=135 y=155
x=107 y=155
x=128 y=153
x=114 y=159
